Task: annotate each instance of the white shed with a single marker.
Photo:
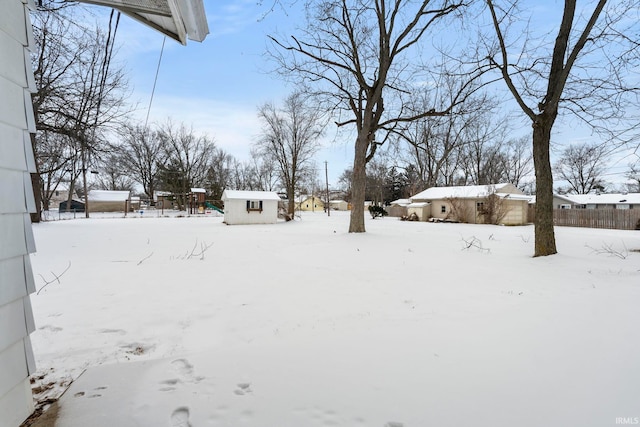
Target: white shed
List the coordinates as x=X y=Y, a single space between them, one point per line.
x=250 y=207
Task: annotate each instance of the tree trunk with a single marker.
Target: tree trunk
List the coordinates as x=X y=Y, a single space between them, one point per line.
x=36 y=185
x=37 y=193
x=291 y=197
x=358 y=183
x=545 y=241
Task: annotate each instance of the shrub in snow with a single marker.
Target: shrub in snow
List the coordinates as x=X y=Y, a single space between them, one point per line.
x=377 y=211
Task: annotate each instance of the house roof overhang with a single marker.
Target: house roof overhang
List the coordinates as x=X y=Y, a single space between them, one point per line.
x=178 y=19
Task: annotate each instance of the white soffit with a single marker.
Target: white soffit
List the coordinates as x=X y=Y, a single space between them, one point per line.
x=177 y=19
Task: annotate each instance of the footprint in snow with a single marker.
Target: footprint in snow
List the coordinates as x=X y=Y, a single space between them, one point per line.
x=180 y=417
x=243 y=388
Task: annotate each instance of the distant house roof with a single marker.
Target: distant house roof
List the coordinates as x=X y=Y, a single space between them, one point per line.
x=249 y=195
x=604 y=199
x=463 y=192
x=400 y=202
x=198 y=190
x=108 y=196
x=177 y=19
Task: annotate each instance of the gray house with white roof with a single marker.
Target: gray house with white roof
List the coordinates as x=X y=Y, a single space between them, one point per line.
x=598 y=201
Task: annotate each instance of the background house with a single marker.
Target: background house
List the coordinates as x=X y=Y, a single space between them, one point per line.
x=602 y=201
x=61 y=194
x=398 y=208
x=250 y=207
x=338 y=205
x=466 y=203
x=310 y=204
x=110 y=201
x=421 y=209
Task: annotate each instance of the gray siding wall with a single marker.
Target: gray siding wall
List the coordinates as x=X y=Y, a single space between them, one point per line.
x=16 y=201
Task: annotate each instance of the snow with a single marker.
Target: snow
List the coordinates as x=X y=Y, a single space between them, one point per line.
x=244 y=194
x=108 y=196
x=601 y=199
x=463 y=191
x=185 y=321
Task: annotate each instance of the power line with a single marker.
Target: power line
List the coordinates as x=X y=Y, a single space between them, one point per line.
x=155 y=80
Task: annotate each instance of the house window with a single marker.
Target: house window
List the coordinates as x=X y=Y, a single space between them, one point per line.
x=480 y=206
x=443 y=209
x=254 y=205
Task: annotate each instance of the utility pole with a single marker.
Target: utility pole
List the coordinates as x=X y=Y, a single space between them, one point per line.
x=326 y=178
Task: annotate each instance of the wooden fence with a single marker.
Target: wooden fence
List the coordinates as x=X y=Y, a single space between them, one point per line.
x=619 y=219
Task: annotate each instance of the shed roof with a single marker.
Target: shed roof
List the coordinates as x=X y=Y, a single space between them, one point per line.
x=108 y=196
x=463 y=192
x=249 y=195
x=177 y=19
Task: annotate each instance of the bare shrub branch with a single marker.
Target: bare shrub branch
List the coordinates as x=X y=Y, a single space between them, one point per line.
x=474 y=242
x=56 y=278
x=607 y=249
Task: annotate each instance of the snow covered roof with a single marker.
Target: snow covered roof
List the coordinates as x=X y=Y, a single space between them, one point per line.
x=108 y=196
x=249 y=195
x=401 y=202
x=603 y=199
x=418 y=205
x=198 y=190
x=461 y=192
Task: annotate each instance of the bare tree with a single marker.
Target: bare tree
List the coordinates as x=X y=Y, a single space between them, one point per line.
x=220 y=173
x=437 y=146
x=344 y=183
x=377 y=171
x=459 y=211
x=290 y=138
x=188 y=159
x=113 y=174
x=482 y=161
x=266 y=170
x=142 y=154
x=492 y=209
x=518 y=160
x=53 y=164
x=78 y=92
x=545 y=76
x=633 y=175
x=583 y=167
x=355 y=54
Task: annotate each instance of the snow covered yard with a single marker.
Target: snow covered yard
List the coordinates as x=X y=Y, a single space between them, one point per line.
x=301 y=324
